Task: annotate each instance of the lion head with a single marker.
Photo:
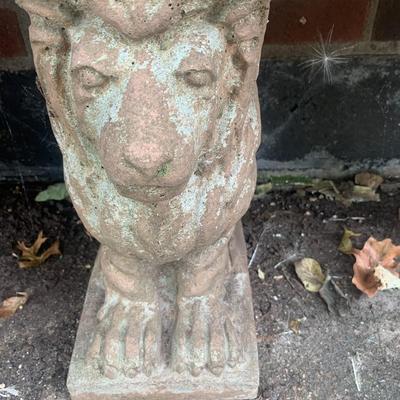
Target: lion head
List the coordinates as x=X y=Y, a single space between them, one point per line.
x=149 y=90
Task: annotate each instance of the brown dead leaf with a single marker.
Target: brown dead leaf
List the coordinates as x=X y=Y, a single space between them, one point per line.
x=346 y=245
x=334 y=297
x=294 y=326
x=375 y=257
x=368 y=179
x=386 y=278
x=30 y=257
x=10 y=306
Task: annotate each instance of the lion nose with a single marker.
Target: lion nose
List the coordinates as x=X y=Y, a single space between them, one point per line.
x=150 y=159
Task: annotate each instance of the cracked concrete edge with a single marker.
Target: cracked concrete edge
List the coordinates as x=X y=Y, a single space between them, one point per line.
x=328 y=167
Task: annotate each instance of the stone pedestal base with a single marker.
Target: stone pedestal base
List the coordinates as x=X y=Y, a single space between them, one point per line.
x=87 y=383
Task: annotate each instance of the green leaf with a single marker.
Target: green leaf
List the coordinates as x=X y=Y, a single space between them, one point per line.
x=53 y=192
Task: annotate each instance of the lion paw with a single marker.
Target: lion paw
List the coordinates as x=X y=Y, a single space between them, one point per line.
x=204 y=337
x=128 y=338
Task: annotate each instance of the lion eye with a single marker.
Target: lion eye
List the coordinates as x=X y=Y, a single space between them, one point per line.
x=198 y=78
x=89 y=78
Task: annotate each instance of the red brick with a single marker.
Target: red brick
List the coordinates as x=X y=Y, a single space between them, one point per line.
x=387 y=23
x=11 y=40
x=349 y=18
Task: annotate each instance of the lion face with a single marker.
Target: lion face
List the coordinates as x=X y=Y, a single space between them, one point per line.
x=149 y=107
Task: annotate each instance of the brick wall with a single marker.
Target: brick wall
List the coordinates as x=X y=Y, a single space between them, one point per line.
x=371 y=26
x=15 y=51
x=364 y=26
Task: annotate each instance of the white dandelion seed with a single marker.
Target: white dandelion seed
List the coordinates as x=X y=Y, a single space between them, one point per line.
x=324 y=59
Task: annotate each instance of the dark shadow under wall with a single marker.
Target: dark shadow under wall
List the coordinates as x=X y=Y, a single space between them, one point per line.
x=27 y=144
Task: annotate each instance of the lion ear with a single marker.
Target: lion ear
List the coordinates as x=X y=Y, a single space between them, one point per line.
x=50 y=10
x=248 y=21
x=48 y=18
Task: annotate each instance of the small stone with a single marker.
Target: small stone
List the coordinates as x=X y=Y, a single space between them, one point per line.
x=303 y=20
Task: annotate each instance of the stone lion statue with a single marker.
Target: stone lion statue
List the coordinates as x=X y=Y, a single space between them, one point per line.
x=154 y=105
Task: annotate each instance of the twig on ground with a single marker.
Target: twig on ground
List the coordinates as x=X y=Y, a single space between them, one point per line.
x=253 y=257
x=336 y=219
x=356 y=364
x=285 y=274
x=290 y=258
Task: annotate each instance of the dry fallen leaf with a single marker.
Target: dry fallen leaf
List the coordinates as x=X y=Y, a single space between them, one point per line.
x=325 y=187
x=364 y=193
x=294 y=326
x=334 y=297
x=387 y=279
x=346 y=245
x=373 y=265
x=9 y=306
x=30 y=257
x=310 y=273
x=263 y=189
x=316 y=280
x=373 y=181
x=261 y=274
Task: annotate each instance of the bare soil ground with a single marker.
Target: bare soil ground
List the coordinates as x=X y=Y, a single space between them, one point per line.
x=354 y=355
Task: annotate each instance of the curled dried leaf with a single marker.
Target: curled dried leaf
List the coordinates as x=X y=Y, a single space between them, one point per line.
x=369 y=179
x=30 y=258
x=334 y=297
x=10 y=306
x=346 y=245
x=310 y=273
x=387 y=279
x=375 y=257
